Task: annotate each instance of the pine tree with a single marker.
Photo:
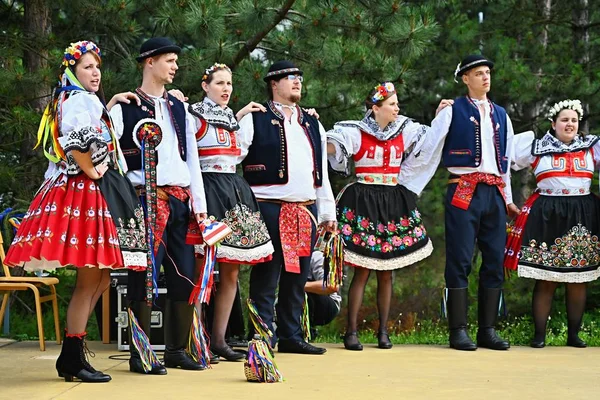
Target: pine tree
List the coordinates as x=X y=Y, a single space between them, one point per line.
x=344 y=48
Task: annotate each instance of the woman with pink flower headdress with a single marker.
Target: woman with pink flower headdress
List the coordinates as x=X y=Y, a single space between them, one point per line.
x=377 y=216
x=555 y=238
x=86 y=214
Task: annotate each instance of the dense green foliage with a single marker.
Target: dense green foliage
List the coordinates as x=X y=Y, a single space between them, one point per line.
x=544 y=51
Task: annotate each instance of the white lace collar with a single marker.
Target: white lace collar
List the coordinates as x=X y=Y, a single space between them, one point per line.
x=371 y=127
x=214 y=114
x=549 y=144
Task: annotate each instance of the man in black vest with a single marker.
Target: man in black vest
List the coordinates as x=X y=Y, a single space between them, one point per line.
x=286 y=166
x=179 y=189
x=474 y=140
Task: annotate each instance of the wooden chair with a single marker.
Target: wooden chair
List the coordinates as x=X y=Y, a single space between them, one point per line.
x=10 y=283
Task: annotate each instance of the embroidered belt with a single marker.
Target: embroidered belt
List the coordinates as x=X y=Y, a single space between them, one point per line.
x=467 y=184
x=222 y=168
x=378 y=179
x=163 y=210
x=564 y=192
x=295 y=230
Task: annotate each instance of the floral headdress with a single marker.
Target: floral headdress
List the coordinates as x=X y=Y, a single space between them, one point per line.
x=574 y=105
x=76 y=50
x=213 y=68
x=382 y=91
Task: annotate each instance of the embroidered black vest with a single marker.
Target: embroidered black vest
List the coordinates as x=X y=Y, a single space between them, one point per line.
x=463 y=143
x=267 y=161
x=132 y=114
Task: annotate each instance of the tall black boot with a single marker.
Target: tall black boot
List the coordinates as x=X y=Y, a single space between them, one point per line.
x=143 y=314
x=489 y=301
x=457 y=320
x=178 y=322
x=72 y=362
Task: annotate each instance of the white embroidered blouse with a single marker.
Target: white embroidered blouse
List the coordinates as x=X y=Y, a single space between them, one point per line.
x=560 y=169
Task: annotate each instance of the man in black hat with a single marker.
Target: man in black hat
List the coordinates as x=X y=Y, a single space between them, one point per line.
x=286 y=166
x=474 y=140
x=179 y=189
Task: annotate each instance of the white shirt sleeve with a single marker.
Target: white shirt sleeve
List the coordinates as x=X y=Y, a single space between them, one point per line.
x=420 y=165
x=196 y=182
x=245 y=134
x=81 y=110
x=325 y=199
x=522 y=157
x=510 y=134
x=116 y=114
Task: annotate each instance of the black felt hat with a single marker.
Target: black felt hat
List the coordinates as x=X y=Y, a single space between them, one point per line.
x=280 y=69
x=156 y=46
x=472 y=61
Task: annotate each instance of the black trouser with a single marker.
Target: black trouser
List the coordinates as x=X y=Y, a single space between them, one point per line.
x=322 y=309
x=483 y=222
x=174 y=255
x=265 y=277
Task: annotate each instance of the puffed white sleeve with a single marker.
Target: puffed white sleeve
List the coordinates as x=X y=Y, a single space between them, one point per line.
x=413 y=135
x=522 y=157
x=420 y=165
x=596 y=154
x=196 y=182
x=346 y=141
x=81 y=122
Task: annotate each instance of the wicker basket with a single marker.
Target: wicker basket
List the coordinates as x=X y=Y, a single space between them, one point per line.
x=249 y=372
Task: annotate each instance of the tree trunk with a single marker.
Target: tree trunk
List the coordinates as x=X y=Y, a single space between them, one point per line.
x=37 y=28
x=581 y=44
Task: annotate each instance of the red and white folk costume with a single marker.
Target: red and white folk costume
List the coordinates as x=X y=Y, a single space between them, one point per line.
x=377 y=216
x=228 y=196
x=74 y=220
x=556 y=236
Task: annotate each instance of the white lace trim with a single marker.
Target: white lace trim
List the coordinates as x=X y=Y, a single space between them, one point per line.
x=527 y=271
x=393 y=263
x=242 y=255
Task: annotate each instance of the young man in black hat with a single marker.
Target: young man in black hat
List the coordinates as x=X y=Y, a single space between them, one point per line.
x=474 y=140
x=286 y=166
x=179 y=189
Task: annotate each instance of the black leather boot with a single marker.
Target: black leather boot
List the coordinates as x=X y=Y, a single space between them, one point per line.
x=178 y=322
x=143 y=314
x=457 y=320
x=72 y=363
x=489 y=301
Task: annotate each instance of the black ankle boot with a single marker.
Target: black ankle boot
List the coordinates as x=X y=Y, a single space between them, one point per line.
x=383 y=340
x=178 y=322
x=351 y=341
x=143 y=314
x=72 y=362
x=489 y=301
x=457 y=320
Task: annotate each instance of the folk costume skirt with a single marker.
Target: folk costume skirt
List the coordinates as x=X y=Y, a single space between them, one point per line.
x=230 y=200
x=559 y=239
x=80 y=222
x=381 y=226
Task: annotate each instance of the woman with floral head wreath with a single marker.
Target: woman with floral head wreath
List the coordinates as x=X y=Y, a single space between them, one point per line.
x=555 y=238
x=86 y=214
x=377 y=216
x=228 y=195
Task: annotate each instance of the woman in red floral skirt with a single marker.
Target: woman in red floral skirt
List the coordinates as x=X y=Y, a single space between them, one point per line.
x=86 y=214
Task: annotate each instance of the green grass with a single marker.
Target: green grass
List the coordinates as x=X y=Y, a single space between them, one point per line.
x=517 y=330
